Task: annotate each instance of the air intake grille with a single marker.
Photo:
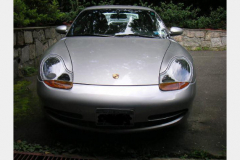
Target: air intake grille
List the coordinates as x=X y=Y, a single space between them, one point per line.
x=167 y=115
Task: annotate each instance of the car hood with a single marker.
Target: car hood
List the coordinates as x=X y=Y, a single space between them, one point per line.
x=136 y=60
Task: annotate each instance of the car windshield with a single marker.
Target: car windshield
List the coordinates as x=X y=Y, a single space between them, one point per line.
x=118 y=22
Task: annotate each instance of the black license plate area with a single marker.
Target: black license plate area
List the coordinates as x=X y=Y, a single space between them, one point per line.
x=115 y=117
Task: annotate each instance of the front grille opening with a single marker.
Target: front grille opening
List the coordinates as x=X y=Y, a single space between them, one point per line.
x=157 y=122
x=63 y=113
x=82 y=123
x=167 y=115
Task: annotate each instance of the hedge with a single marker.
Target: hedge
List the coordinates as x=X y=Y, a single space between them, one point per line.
x=49 y=12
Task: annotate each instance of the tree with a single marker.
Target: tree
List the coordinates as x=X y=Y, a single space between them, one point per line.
x=36 y=12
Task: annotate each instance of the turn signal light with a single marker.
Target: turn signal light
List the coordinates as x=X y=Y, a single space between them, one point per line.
x=173 y=86
x=59 y=84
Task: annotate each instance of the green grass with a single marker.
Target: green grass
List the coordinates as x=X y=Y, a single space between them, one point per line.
x=21 y=99
x=205 y=49
x=24 y=101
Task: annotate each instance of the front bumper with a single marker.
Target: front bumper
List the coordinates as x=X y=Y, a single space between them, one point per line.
x=152 y=107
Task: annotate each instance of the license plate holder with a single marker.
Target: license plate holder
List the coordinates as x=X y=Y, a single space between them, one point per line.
x=114 y=117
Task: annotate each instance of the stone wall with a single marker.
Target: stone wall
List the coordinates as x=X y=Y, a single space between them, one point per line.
x=197 y=39
x=30 y=43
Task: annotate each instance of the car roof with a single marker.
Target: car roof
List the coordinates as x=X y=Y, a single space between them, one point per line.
x=118 y=7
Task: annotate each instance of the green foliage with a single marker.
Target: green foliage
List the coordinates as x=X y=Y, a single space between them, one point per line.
x=22 y=14
x=29 y=71
x=28 y=147
x=24 y=146
x=177 y=15
x=59 y=148
x=47 y=12
x=203 y=22
x=36 y=12
x=187 y=17
x=205 y=49
x=200 y=154
x=218 y=18
x=77 y=7
x=21 y=99
x=26 y=102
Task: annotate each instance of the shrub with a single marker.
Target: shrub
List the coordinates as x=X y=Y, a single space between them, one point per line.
x=36 y=12
x=218 y=18
x=22 y=14
x=203 y=22
x=46 y=12
x=77 y=7
x=177 y=15
x=187 y=17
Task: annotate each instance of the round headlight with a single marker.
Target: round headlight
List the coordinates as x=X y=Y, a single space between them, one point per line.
x=177 y=76
x=55 y=74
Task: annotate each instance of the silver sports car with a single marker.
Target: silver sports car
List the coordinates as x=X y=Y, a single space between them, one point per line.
x=117 y=70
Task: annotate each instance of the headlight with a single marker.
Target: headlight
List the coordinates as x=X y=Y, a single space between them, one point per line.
x=55 y=74
x=177 y=76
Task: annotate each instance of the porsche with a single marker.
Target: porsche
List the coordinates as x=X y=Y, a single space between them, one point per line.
x=117 y=70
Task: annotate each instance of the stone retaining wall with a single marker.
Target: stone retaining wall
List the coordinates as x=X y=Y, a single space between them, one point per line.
x=30 y=43
x=193 y=39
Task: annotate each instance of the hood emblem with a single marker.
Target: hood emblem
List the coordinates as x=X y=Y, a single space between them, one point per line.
x=115 y=76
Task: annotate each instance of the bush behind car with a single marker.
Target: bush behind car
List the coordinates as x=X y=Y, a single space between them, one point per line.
x=35 y=13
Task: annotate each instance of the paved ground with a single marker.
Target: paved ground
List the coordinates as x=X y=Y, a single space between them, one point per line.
x=205 y=130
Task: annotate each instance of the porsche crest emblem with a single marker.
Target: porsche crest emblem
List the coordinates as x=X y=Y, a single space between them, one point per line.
x=115 y=76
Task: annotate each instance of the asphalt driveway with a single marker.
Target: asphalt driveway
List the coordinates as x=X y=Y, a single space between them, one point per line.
x=205 y=130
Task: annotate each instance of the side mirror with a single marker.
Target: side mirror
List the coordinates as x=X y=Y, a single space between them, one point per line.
x=61 y=29
x=174 y=31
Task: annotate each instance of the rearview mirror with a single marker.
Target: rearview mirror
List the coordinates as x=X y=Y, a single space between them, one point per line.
x=61 y=29
x=174 y=31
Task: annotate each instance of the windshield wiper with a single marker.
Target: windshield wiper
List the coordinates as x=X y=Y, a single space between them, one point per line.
x=97 y=35
x=139 y=35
